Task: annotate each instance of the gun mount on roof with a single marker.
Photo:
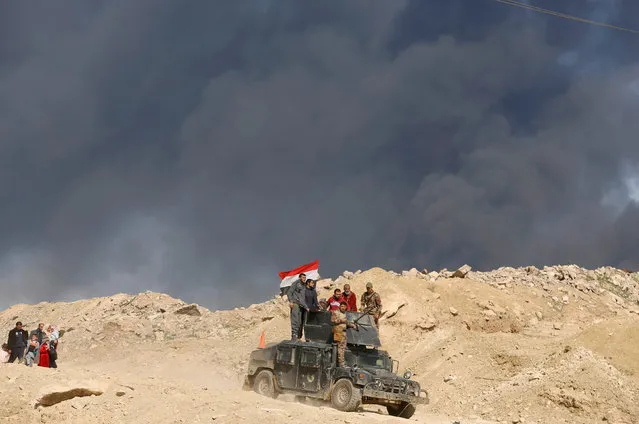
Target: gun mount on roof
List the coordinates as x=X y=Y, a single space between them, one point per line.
x=318 y=329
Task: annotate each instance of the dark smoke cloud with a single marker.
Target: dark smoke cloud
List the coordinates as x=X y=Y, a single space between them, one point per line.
x=200 y=149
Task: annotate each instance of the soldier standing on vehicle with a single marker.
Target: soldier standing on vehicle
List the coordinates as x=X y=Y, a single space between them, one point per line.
x=340 y=324
x=297 y=301
x=372 y=303
x=312 y=304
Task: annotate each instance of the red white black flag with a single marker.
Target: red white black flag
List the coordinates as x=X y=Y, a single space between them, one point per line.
x=288 y=277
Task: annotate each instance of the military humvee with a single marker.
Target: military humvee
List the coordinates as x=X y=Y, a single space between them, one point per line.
x=309 y=369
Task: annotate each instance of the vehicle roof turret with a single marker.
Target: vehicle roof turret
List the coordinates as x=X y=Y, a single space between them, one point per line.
x=318 y=328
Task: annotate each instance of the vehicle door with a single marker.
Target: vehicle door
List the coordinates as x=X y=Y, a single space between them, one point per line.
x=310 y=369
x=286 y=367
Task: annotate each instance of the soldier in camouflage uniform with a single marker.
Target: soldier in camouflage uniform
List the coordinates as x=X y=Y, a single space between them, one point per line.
x=372 y=303
x=340 y=324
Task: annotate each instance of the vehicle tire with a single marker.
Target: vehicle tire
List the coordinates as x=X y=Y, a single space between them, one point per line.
x=264 y=384
x=405 y=410
x=345 y=397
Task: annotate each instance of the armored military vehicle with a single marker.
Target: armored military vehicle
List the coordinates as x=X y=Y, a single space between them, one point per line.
x=308 y=369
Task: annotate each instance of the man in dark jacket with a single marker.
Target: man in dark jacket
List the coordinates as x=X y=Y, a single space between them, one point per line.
x=17 y=342
x=296 y=294
x=38 y=332
x=310 y=297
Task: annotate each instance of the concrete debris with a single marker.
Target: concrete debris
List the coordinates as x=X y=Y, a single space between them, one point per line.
x=191 y=310
x=453 y=311
x=598 y=281
x=410 y=273
x=462 y=271
x=445 y=273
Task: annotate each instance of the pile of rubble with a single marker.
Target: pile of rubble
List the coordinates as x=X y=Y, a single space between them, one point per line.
x=622 y=284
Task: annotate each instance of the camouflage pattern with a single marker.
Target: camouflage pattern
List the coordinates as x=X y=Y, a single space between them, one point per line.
x=339 y=334
x=372 y=304
x=341 y=352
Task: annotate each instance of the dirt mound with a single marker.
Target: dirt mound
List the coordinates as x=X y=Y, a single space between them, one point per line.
x=510 y=345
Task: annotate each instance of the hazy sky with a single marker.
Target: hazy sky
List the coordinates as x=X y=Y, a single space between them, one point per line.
x=199 y=147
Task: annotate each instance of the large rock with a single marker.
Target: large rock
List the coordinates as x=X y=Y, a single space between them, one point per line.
x=462 y=271
x=189 y=310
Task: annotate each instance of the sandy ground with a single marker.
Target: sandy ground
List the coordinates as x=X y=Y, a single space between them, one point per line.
x=486 y=353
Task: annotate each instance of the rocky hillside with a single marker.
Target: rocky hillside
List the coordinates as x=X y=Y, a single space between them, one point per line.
x=556 y=344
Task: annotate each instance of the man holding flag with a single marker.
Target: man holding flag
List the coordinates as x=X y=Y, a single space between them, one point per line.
x=293 y=284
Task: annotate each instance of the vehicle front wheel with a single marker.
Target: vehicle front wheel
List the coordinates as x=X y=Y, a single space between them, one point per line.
x=405 y=410
x=264 y=384
x=345 y=397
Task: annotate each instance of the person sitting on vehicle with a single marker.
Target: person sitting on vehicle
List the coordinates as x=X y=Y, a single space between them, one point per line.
x=372 y=303
x=335 y=300
x=340 y=324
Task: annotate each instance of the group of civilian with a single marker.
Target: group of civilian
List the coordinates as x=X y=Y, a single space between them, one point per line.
x=39 y=348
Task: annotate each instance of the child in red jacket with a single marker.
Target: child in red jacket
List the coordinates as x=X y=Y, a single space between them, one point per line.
x=44 y=353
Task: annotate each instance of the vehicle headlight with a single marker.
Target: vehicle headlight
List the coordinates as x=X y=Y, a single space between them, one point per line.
x=408 y=374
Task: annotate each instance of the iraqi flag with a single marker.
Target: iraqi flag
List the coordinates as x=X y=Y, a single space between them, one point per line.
x=288 y=277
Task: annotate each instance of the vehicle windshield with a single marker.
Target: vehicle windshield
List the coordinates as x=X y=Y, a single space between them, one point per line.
x=365 y=359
